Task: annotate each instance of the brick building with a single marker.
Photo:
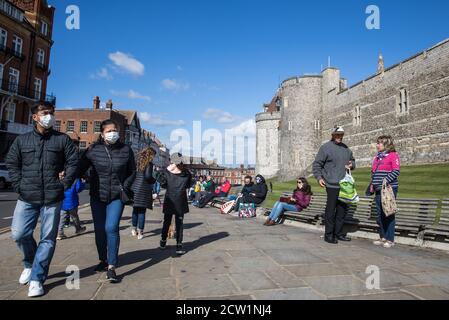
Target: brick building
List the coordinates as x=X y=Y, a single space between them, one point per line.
x=237 y=175
x=84 y=124
x=201 y=167
x=25 y=45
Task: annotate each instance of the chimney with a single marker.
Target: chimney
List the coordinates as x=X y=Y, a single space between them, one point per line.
x=109 y=104
x=97 y=103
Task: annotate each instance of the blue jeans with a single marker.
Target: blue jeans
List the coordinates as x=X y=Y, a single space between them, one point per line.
x=106 y=218
x=157 y=188
x=37 y=257
x=139 y=218
x=386 y=224
x=279 y=208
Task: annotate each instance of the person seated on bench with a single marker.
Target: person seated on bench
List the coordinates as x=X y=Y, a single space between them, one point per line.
x=208 y=186
x=298 y=202
x=220 y=192
x=197 y=187
x=253 y=193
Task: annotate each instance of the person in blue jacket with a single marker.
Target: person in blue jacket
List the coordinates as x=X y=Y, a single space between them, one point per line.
x=70 y=208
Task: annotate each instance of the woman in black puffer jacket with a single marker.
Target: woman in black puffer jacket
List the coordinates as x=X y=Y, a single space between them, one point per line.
x=112 y=170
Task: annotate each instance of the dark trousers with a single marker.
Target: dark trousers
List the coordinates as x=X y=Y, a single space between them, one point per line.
x=179 y=222
x=138 y=218
x=335 y=214
x=386 y=224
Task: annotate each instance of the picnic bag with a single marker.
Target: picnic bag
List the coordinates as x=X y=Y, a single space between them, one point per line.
x=389 y=205
x=348 y=194
x=247 y=210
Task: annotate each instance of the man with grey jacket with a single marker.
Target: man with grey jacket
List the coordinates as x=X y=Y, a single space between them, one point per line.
x=332 y=161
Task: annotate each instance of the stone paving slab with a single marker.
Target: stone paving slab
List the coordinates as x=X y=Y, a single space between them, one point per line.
x=233 y=259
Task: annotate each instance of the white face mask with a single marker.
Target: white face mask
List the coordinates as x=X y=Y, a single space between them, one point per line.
x=111 y=137
x=47 y=121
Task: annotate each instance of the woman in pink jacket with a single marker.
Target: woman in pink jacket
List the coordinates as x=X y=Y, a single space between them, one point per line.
x=386 y=165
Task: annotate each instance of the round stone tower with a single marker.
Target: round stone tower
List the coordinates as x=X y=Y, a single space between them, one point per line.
x=300 y=124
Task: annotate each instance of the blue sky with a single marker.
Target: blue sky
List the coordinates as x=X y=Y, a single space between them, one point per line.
x=219 y=61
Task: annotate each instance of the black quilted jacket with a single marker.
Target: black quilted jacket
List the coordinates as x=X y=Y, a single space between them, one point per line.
x=34 y=162
x=105 y=177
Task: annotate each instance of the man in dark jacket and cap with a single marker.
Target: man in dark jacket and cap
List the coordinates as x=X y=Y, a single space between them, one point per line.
x=35 y=161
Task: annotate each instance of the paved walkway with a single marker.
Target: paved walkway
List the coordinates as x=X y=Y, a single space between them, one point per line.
x=233 y=259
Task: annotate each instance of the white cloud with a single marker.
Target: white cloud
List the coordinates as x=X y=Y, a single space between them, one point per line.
x=174 y=85
x=246 y=128
x=103 y=73
x=127 y=63
x=157 y=120
x=131 y=94
x=220 y=116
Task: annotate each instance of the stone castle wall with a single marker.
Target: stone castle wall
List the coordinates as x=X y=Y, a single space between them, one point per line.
x=267 y=144
x=421 y=133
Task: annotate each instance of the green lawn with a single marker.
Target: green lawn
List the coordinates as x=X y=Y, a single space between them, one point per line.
x=427 y=181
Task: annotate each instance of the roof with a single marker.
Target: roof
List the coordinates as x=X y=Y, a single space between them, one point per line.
x=129 y=114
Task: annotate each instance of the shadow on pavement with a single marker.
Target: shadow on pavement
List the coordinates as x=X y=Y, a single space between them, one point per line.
x=150 y=257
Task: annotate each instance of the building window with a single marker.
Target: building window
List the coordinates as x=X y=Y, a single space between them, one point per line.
x=403 y=102
x=37 y=88
x=83 y=145
x=290 y=126
x=41 y=57
x=70 y=126
x=357 y=116
x=44 y=28
x=3 y=38
x=17 y=44
x=30 y=118
x=83 y=127
x=317 y=125
x=57 y=125
x=10 y=112
x=14 y=76
x=285 y=101
x=97 y=127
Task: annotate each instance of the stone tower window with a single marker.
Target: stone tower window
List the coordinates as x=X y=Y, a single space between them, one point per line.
x=317 y=125
x=403 y=102
x=285 y=101
x=357 y=116
x=290 y=126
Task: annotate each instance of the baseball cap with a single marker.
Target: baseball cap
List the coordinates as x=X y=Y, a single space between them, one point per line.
x=338 y=130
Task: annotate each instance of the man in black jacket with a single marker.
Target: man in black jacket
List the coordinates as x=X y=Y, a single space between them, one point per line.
x=35 y=161
x=253 y=193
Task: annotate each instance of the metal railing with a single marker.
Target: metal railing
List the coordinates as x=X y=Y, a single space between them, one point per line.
x=14 y=89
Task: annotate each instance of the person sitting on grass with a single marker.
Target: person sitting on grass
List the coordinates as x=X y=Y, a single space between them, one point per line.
x=298 y=202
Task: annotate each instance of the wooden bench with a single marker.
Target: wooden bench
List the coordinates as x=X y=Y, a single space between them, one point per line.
x=440 y=231
x=411 y=220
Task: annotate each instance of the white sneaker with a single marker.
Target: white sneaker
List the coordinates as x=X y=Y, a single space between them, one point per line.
x=388 y=244
x=134 y=232
x=36 y=289
x=25 y=277
x=139 y=236
x=379 y=242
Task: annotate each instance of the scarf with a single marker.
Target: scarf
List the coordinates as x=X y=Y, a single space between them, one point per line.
x=382 y=155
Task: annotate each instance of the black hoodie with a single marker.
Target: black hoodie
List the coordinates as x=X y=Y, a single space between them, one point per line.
x=260 y=190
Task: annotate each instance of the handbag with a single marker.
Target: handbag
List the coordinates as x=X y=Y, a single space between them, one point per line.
x=126 y=196
x=247 y=210
x=227 y=207
x=389 y=205
x=284 y=199
x=348 y=193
